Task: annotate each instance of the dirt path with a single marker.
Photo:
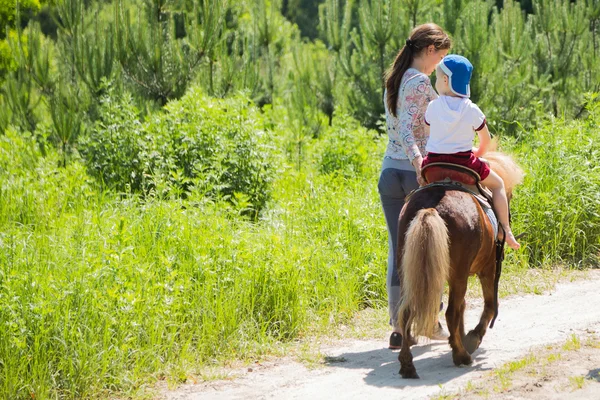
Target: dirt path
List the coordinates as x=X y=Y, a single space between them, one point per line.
x=366 y=369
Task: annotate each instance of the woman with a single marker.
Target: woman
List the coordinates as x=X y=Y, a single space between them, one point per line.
x=408 y=92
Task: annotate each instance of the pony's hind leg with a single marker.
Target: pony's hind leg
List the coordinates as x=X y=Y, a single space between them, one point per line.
x=454 y=317
x=407 y=368
x=473 y=339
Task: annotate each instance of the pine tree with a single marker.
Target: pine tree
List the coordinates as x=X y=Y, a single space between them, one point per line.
x=559 y=26
x=593 y=14
x=304 y=13
x=510 y=83
x=335 y=23
x=25 y=86
x=365 y=51
x=152 y=57
x=325 y=81
x=590 y=65
x=303 y=104
x=473 y=33
x=95 y=55
x=265 y=15
x=233 y=65
x=416 y=10
x=377 y=25
x=451 y=11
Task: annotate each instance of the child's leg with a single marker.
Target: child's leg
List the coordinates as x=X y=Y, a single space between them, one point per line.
x=496 y=185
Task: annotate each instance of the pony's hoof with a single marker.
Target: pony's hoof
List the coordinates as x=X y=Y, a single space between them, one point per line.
x=462 y=359
x=411 y=341
x=471 y=342
x=409 y=373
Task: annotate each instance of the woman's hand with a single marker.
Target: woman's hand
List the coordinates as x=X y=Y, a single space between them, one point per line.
x=417 y=162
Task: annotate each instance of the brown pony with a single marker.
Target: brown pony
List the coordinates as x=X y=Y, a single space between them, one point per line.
x=444 y=235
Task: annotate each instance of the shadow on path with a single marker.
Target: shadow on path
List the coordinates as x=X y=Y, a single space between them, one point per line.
x=433 y=362
x=594 y=374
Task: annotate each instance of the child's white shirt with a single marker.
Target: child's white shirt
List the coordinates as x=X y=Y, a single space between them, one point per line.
x=453 y=122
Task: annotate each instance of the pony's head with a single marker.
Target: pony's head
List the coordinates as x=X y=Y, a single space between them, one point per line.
x=505 y=166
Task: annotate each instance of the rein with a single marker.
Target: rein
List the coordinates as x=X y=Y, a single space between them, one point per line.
x=499 y=259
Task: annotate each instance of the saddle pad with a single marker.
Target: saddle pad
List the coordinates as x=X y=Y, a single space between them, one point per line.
x=493 y=220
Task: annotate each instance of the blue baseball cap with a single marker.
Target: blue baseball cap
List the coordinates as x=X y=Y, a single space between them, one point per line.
x=459 y=71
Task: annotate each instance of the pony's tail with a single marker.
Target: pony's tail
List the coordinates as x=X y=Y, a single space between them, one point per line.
x=425 y=267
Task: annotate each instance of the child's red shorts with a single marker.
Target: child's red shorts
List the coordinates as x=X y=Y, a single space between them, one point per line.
x=464 y=158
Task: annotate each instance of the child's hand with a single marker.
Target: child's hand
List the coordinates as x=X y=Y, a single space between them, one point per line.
x=476 y=152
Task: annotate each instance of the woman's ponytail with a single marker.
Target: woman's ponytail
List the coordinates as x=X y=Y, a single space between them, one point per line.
x=420 y=38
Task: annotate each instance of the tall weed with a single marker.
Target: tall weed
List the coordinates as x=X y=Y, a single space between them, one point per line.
x=558 y=206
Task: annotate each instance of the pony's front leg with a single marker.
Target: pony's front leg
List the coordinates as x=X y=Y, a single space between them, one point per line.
x=473 y=339
x=407 y=368
x=454 y=317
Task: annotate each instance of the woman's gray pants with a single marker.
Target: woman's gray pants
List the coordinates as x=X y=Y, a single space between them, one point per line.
x=394 y=185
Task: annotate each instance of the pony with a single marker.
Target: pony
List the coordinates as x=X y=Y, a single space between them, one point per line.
x=445 y=235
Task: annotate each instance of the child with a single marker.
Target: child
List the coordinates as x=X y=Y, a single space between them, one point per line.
x=453 y=121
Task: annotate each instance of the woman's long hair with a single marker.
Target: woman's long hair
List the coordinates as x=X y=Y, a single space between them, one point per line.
x=420 y=38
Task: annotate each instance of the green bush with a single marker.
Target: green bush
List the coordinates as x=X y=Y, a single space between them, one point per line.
x=347 y=148
x=113 y=148
x=217 y=147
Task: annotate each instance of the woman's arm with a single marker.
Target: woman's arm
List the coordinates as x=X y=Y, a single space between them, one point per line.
x=410 y=115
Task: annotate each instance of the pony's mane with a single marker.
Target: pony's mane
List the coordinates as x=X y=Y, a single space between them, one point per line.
x=505 y=166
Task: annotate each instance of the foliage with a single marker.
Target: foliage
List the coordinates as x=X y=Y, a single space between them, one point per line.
x=7 y=62
x=9 y=15
x=531 y=58
x=218 y=148
x=559 y=205
x=153 y=57
x=166 y=284
x=99 y=293
x=113 y=150
x=347 y=149
x=200 y=183
x=364 y=51
x=303 y=13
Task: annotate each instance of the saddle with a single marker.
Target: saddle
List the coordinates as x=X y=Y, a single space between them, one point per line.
x=455 y=177
x=439 y=171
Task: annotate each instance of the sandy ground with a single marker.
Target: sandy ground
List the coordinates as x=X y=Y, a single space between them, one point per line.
x=366 y=369
x=554 y=373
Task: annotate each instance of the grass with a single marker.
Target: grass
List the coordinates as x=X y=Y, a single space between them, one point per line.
x=558 y=204
x=577 y=382
x=503 y=375
x=574 y=343
x=442 y=396
x=102 y=294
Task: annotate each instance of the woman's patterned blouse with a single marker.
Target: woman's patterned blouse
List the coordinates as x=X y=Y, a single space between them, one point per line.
x=408 y=132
